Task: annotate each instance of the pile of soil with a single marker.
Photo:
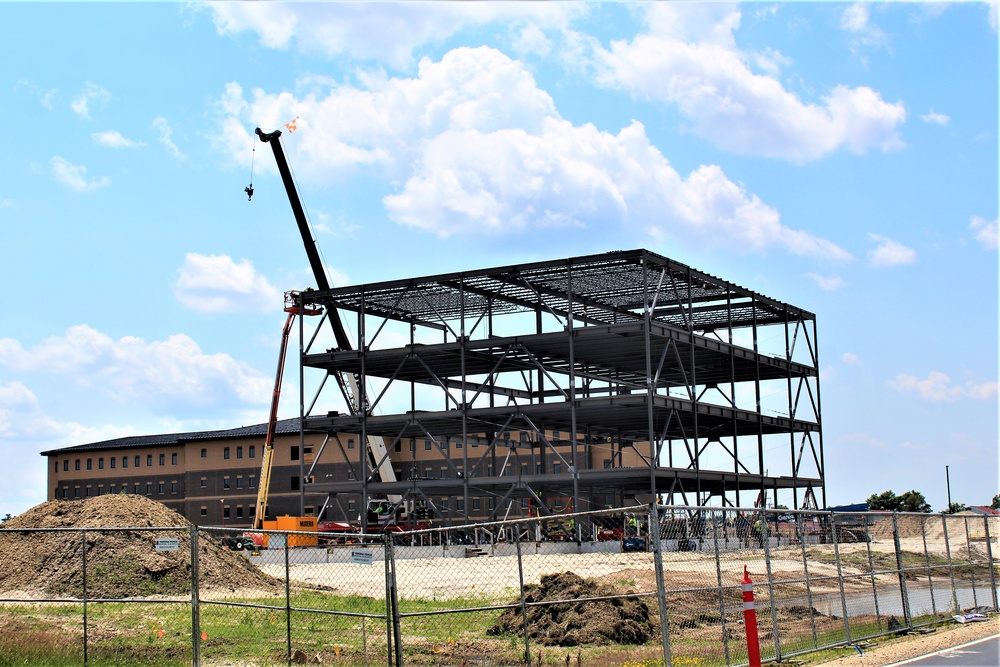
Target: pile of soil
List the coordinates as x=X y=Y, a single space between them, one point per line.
x=568 y=621
x=120 y=563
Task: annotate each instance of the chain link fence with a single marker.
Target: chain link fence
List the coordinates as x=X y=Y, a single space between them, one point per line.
x=638 y=586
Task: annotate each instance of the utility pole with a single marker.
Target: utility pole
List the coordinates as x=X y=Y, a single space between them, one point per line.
x=947 y=479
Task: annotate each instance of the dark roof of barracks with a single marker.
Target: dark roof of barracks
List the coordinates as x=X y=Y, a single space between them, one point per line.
x=284 y=426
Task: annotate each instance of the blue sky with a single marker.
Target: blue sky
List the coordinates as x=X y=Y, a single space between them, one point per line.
x=840 y=157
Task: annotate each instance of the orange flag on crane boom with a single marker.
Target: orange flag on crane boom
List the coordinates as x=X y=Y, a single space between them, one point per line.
x=292 y=125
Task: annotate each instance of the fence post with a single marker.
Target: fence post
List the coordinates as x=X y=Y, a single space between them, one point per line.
x=524 y=609
x=83 y=536
x=718 y=579
x=392 y=601
x=840 y=576
x=927 y=562
x=989 y=556
x=661 y=589
x=800 y=526
x=766 y=533
x=972 y=566
x=195 y=602
x=951 y=566
x=750 y=620
x=903 y=596
x=871 y=571
x=288 y=604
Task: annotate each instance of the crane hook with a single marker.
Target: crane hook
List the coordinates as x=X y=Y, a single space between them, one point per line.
x=249 y=190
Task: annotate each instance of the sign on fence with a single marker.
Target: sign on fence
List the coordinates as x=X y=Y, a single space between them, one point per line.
x=167 y=544
x=361 y=557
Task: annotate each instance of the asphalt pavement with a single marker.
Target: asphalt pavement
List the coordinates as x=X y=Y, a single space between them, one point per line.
x=980 y=653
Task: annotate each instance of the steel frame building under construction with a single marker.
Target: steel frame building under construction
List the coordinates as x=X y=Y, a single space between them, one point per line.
x=565 y=385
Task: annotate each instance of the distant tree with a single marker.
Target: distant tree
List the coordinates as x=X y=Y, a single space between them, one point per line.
x=996 y=502
x=914 y=501
x=6 y=517
x=886 y=501
x=955 y=508
x=911 y=501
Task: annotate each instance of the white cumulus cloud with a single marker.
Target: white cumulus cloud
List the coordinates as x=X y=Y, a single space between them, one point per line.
x=833 y=282
x=170 y=374
x=217 y=284
x=889 y=252
x=387 y=32
x=478 y=148
x=162 y=125
x=114 y=139
x=74 y=176
x=937 y=387
x=687 y=58
x=935 y=118
x=986 y=232
x=91 y=94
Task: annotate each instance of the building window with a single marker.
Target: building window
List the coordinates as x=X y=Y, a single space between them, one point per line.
x=239 y=452
x=225 y=512
x=76 y=492
x=77 y=464
x=66 y=465
x=225 y=482
x=307 y=454
x=135 y=489
x=111 y=488
x=295 y=482
x=149 y=488
x=204 y=482
x=149 y=460
x=90 y=492
x=350 y=474
x=444 y=473
x=460 y=504
x=350 y=443
x=65 y=492
x=239 y=511
x=124 y=461
x=204 y=453
x=113 y=461
x=100 y=463
x=136 y=460
x=607 y=464
x=251 y=482
x=252 y=451
x=427 y=445
x=557 y=468
x=555 y=436
x=239 y=482
x=90 y=464
x=295 y=452
x=399 y=445
x=476 y=504
x=160 y=488
x=56 y=467
x=352 y=506
x=163 y=459
x=225 y=453
x=173 y=459
x=100 y=490
x=413 y=445
x=173 y=487
x=204 y=511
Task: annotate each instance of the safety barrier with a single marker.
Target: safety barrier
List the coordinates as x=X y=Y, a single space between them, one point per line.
x=643 y=585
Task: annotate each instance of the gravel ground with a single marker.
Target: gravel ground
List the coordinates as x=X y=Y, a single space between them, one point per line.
x=891 y=651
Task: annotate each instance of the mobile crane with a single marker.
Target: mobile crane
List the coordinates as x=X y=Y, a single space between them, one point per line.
x=377 y=452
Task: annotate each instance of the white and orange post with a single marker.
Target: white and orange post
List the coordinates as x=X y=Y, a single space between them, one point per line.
x=750 y=620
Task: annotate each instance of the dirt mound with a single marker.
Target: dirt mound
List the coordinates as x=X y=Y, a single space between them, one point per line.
x=120 y=563
x=569 y=621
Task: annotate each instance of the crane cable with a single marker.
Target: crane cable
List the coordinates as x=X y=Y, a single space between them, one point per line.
x=253 y=153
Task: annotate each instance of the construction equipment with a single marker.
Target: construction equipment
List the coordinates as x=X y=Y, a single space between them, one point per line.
x=293 y=308
x=378 y=454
